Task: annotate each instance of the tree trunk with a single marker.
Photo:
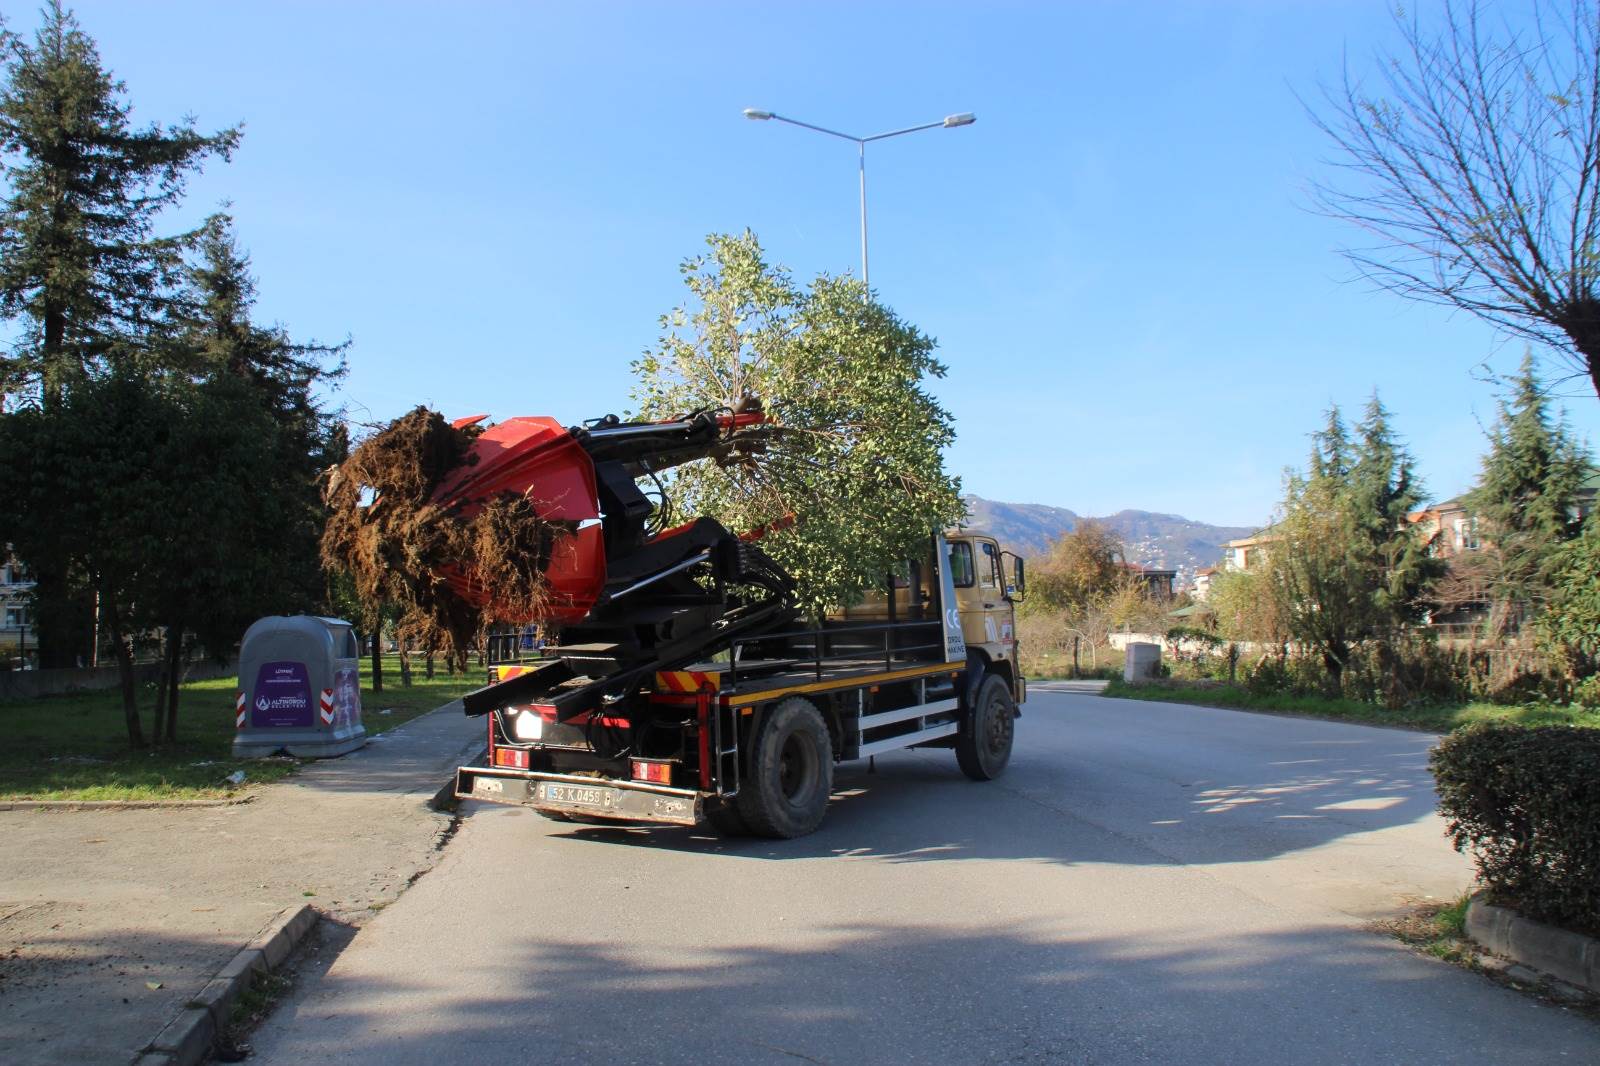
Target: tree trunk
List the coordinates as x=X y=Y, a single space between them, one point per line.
x=1580 y=321
x=174 y=679
x=55 y=336
x=53 y=615
x=1334 y=664
x=427 y=661
x=158 y=714
x=405 y=662
x=125 y=677
x=377 y=659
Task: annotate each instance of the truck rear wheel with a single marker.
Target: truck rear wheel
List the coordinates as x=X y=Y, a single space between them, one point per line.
x=785 y=793
x=983 y=746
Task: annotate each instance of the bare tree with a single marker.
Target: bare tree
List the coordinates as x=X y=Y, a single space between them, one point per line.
x=1473 y=160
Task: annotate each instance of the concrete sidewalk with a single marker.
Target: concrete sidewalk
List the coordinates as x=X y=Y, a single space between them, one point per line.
x=96 y=906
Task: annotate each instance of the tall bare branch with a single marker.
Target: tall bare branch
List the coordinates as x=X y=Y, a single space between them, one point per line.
x=1471 y=159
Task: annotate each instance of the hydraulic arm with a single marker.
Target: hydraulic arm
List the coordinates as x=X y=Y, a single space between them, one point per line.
x=630 y=599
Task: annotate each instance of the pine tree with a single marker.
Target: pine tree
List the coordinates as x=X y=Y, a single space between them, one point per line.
x=83 y=273
x=217 y=339
x=1345 y=565
x=1526 y=499
x=80 y=262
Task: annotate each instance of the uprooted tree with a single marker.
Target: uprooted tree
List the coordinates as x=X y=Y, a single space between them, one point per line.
x=855 y=452
x=402 y=547
x=847 y=481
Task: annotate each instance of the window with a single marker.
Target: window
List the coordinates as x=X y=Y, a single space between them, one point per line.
x=961 y=564
x=16 y=617
x=991 y=567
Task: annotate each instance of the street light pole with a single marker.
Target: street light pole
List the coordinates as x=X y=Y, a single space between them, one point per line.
x=949 y=122
x=862 y=151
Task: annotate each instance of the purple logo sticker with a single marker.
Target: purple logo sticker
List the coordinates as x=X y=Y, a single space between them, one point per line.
x=282 y=697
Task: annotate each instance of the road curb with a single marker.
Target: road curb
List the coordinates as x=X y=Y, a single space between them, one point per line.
x=189 y=1037
x=1566 y=956
x=444 y=801
x=117 y=805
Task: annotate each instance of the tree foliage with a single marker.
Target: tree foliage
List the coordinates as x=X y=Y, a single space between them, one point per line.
x=1082 y=565
x=1474 y=162
x=1570 y=625
x=164 y=447
x=142 y=484
x=1247 y=607
x=81 y=263
x=214 y=336
x=1525 y=501
x=84 y=275
x=1345 y=564
x=856 y=449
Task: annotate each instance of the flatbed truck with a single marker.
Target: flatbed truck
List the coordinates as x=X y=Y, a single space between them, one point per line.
x=748 y=742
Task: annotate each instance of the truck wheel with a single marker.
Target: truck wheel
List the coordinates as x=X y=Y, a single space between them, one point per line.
x=790 y=774
x=983 y=747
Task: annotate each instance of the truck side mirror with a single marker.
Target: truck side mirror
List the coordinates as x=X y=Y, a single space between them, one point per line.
x=1017 y=588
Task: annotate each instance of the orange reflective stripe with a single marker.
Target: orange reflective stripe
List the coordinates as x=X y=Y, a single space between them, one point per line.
x=686 y=680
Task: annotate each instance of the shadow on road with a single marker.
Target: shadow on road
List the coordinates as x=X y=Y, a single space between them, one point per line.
x=904 y=993
x=919 y=808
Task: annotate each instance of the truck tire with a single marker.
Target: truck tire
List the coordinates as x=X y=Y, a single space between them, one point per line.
x=983 y=746
x=785 y=793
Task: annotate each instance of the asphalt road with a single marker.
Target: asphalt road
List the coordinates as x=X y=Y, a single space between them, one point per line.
x=1148 y=883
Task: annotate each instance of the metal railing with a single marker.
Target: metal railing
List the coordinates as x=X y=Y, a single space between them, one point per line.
x=825 y=650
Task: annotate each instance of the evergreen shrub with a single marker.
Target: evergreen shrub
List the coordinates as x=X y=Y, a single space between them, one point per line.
x=1525 y=803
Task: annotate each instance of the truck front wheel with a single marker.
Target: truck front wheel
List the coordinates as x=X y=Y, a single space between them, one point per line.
x=983 y=747
x=785 y=793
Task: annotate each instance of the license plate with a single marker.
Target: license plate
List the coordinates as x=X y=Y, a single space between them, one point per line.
x=577 y=795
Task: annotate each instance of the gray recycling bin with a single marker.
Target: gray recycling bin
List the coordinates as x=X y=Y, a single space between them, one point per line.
x=299 y=688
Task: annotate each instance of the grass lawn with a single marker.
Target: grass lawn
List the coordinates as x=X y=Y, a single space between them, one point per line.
x=1440 y=718
x=75 y=747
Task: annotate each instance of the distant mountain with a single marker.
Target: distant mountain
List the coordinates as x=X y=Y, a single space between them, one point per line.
x=1167 y=541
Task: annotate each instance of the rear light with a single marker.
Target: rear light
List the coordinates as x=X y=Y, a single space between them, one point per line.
x=511 y=757
x=649 y=770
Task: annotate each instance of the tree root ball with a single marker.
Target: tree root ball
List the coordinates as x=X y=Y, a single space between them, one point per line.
x=451 y=567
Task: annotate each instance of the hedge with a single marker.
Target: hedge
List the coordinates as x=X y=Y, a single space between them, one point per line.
x=1526 y=802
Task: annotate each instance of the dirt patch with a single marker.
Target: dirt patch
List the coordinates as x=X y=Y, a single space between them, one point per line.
x=1435 y=928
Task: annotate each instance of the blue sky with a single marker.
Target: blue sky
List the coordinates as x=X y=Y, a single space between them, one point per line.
x=1137 y=307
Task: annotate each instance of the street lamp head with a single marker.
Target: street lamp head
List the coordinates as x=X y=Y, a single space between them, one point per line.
x=966 y=118
x=757 y=113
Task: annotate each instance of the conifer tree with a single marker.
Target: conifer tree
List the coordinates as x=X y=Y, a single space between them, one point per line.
x=1345 y=565
x=81 y=263
x=84 y=276
x=1526 y=500
x=218 y=342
